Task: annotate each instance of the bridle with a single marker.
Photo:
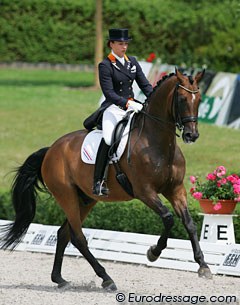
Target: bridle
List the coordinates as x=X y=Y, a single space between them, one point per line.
x=180 y=121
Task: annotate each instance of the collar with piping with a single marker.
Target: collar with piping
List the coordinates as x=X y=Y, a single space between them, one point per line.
x=112 y=58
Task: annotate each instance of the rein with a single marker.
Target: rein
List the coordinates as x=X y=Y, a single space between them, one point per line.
x=157 y=119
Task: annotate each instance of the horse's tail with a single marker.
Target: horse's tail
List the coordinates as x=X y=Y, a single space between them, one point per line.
x=24 y=191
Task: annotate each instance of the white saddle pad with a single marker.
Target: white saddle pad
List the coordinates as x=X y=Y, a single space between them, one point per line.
x=92 y=140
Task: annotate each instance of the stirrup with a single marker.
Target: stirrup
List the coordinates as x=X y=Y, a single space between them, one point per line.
x=100 y=188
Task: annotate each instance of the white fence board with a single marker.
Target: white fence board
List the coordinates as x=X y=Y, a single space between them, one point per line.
x=127 y=247
x=135 y=238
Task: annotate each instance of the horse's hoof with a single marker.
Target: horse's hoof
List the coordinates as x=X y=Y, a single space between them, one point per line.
x=56 y=278
x=109 y=285
x=63 y=284
x=205 y=272
x=151 y=257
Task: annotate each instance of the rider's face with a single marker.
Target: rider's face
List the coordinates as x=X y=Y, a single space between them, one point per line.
x=119 y=47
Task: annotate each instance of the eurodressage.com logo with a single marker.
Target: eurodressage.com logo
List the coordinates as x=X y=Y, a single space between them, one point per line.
x=132 y=298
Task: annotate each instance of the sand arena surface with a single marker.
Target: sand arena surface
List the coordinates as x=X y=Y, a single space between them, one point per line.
x=25 y=279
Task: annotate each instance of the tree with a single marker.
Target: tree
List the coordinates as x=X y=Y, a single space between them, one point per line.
x=99 y=40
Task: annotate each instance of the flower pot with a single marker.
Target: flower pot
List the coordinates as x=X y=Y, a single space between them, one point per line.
x=207 y=206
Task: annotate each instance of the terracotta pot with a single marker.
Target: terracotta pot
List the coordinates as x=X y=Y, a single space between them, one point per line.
x=207 y=205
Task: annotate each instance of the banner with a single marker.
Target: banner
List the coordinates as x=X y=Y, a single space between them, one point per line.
x=234 y=113
x=216 y=102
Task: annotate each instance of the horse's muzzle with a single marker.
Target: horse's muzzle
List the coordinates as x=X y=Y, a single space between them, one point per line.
x=190 y=136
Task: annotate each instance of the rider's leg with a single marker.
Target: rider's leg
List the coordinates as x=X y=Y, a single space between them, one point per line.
x=111 y=116
x=99 y=188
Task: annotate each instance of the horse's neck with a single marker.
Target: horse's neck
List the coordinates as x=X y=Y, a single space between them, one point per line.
x=158 y=133
x=160 y=105
x=161 y=122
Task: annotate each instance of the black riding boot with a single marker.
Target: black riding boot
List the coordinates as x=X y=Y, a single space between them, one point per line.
x=99 y=186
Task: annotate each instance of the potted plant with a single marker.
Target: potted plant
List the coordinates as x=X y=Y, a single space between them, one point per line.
x=219 y=193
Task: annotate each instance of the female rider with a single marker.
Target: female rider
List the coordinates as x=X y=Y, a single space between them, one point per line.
x=116 y=75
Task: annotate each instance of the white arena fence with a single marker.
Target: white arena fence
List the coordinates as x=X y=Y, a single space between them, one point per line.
x=132 y=248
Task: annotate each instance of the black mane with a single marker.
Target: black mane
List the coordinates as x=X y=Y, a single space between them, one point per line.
x=163 y=79
x=160 y=82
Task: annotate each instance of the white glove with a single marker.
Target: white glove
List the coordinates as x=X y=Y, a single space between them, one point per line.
x=134 y=106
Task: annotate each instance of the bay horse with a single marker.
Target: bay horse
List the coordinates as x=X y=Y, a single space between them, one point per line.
x=156 y=166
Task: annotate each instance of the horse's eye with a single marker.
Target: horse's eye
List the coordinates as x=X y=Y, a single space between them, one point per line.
x=182 y=99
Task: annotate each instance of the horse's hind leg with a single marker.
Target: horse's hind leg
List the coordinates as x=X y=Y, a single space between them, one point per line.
x=80 y=243
x=71 y=205
x=63 y=237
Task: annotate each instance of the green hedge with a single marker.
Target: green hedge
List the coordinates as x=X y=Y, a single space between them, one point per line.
x=131 y=216
x=63 y=31
x=59 y=31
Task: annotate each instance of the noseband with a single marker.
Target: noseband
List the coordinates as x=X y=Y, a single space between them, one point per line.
x=180 y=121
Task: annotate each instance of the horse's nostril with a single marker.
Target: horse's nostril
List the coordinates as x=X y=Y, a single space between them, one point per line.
x=190 y=136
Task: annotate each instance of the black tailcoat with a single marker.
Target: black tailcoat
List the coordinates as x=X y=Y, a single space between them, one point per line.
x=116 y=81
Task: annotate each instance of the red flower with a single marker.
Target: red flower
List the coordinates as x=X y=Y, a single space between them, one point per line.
x=151 y=57
x=211 y=177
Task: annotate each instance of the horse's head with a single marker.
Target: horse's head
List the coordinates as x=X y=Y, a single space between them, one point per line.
x=186 y=102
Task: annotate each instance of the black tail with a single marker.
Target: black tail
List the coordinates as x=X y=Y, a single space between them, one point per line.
x=24 y=189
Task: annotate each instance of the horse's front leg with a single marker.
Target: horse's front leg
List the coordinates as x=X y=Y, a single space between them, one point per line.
x=179 y=202
x=157 y=206
x=203 y=270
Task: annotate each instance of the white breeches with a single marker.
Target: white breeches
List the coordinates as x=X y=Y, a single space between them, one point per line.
x=111 y=116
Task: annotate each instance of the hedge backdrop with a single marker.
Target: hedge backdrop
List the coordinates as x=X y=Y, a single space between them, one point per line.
x=190 y=32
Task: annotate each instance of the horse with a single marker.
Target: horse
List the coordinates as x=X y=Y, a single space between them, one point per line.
x=156 y=166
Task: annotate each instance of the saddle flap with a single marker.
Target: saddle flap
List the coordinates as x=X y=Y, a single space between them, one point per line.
x=90 y=146
x=92 y=140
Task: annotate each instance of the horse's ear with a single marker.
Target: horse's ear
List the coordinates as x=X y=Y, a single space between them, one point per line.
x=199 y=75
x=178 y=74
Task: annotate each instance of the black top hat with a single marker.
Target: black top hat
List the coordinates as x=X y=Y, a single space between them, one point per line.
x=119 y=35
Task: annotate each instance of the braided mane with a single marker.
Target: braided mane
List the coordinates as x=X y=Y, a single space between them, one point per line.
x=161 y=81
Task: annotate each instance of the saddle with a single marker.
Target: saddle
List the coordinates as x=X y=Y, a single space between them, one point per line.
x=119 y=142
x=92 y=140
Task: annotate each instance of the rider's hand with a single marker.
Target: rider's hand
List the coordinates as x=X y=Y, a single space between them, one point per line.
x=134 y=106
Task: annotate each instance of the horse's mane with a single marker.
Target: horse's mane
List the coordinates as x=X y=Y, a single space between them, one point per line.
x=163 y=79
x=159 y=83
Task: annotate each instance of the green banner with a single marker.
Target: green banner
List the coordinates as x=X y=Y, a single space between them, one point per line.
x=208 y=110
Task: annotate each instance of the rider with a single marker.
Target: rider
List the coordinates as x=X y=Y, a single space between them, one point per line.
x=116 y=75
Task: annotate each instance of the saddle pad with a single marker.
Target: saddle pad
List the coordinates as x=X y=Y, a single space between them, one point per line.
x=92 y=140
